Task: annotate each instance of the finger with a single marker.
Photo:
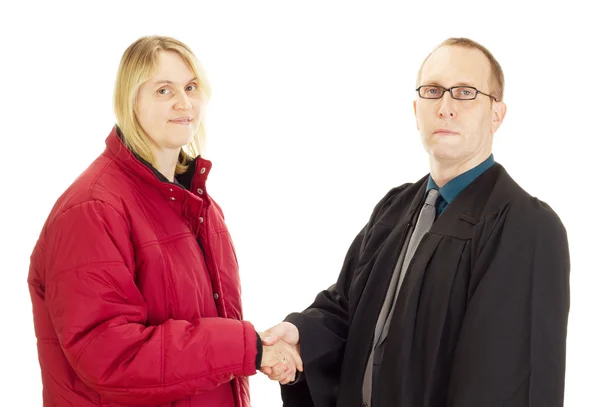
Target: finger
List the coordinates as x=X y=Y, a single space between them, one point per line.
x=280 y=371
x=288 y=379
x=279 y=378
x=266 y=370
x=297 y=358
x=292 y=356
x=289 y=372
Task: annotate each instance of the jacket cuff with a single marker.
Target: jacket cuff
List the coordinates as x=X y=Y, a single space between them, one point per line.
x=249 y=363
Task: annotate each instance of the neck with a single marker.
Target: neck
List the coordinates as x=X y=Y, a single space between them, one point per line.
x=165 y=161
x=442 y=171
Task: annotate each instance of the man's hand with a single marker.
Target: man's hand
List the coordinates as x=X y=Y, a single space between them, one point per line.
x=288 y=336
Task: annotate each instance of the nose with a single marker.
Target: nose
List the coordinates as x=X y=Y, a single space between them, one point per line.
x=183 y=102
x=446 y=108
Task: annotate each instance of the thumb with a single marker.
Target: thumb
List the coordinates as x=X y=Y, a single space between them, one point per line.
x=272 y=335
x=269 y=338
x=284 y=331
x=288 y=332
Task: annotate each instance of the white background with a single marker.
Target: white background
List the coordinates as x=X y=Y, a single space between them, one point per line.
x=310 y=124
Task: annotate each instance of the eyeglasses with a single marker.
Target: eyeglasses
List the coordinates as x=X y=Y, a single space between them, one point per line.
x=457 y=92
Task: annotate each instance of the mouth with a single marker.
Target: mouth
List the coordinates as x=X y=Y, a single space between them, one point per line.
x=182 y=120
x=445 y=132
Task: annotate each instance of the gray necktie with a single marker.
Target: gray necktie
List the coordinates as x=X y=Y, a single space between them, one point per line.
x=424 y=222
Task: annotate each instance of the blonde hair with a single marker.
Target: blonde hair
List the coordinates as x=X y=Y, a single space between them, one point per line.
x=497 y=76
x=137 y=66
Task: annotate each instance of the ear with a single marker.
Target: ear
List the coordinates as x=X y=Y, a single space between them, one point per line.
x=498 y=113
x=415 y=109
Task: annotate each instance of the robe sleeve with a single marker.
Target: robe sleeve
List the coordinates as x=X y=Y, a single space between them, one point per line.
x=512 y=345
x=323 y=328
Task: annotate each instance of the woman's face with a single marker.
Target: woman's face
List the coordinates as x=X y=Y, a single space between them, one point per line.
x=170 y=104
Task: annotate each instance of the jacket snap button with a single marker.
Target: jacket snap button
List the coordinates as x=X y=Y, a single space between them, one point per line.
x=172 y=198
x=201 y=219
x=202 y=170
x=216 y=296
x=200 y=191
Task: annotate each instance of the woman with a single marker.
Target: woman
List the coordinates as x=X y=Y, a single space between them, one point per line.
x=134 y=280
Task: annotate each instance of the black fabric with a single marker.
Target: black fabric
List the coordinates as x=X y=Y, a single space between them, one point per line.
x=481 y=317
x=259 y=353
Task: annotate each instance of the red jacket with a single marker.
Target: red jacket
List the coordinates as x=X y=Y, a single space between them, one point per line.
x=136 y=294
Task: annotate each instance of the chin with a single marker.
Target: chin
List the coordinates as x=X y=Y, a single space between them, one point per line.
x=444 y=152
x=182 y=137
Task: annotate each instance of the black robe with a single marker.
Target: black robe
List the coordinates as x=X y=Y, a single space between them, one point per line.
x=481 y=318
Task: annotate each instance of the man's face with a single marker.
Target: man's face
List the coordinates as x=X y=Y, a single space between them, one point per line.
x=456 y=131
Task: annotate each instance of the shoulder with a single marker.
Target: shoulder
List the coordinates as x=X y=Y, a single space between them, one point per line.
x=536 y=217
x=102 y=185
x=531 y=210
x=509 y=198
x=389 y=198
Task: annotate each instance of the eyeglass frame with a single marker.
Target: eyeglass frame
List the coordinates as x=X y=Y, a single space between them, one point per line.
x=449 y=90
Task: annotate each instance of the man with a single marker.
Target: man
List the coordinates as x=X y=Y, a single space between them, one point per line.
x=456 y=292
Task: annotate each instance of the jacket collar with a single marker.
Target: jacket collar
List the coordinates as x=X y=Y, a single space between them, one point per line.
x=469 y=207
x=196 y=173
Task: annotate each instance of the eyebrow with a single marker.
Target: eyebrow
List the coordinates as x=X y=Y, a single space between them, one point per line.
x=435 y=83
x=167 y=82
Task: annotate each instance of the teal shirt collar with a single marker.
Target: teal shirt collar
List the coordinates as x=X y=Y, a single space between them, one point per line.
x=450 y=191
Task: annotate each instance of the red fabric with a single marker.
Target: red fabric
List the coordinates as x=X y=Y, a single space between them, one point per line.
x=127 y=310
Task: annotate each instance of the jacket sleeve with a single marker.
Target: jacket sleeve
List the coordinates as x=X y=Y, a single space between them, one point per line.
x=512 y=345
x=323 y=329
x=100 y=318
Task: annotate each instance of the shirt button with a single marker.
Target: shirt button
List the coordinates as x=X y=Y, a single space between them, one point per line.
x=200 y=191
x=202 y=170
x=201 y=219
x=216 y=296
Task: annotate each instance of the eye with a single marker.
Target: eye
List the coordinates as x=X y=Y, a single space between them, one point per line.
x=191 y=88
x=431 y=91
x=163 y=91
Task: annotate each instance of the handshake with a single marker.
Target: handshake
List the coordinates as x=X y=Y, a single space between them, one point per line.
x=281 y=353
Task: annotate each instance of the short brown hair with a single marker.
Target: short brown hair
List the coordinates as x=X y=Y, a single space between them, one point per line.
x=497 y=76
